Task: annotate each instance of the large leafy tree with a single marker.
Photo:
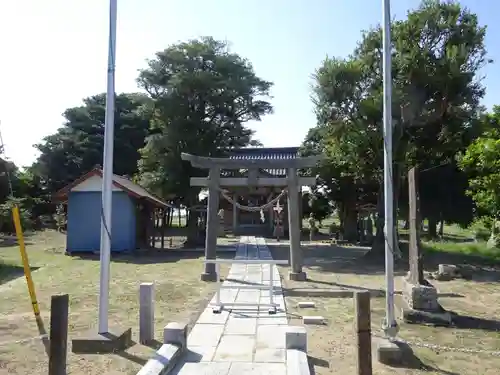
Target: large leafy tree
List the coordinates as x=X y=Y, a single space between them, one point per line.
x=481 y=161
x=78 y=146
x=437 y=52
x=203 y=97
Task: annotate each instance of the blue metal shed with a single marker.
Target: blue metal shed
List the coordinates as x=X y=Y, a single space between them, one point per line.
x=132 y=209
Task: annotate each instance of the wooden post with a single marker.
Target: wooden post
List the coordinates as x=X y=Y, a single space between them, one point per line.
x=163 y=226
x=169 y=214
x=153 y=232
x=235 y=214
x=416 y=274
x=212 y=224
x=59 y=308
x=362 y=327
x=146 y=313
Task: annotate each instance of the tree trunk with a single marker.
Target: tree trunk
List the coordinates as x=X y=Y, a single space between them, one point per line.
x=378 y=245
x=350 y=223
x=432 y=227
x=441 y=227
x=191 y=224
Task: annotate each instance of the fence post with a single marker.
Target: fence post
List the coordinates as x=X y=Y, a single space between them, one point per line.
x=362 y=326
x=59 y=308
x=146 y=313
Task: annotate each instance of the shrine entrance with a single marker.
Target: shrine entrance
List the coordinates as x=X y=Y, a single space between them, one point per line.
x=259 y=192
x=251 y=218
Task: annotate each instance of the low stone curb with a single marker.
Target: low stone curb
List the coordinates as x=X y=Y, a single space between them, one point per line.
x=296 y=362
x=296 y=351
x=167 y=357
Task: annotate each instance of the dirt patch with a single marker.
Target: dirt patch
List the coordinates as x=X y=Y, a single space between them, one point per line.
x=464 y=351
x=179 y=296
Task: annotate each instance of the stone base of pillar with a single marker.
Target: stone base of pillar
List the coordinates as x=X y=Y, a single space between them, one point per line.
x=206 y=276
x=297 y=276
x=420 y=305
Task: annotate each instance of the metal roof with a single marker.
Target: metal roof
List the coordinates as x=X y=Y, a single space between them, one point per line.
x=120 y=182
x=267 y=153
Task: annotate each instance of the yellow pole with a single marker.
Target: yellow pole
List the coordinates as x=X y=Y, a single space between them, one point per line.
x=24 y=256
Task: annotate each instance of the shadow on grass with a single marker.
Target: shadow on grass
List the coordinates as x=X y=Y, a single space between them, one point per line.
x=154 y=344
x=43 y=333
x=336 y=259
x=484 y=266
x=314 y=361
x=10 y=272
x=348 y=289
x=152 y=256
x=411 y=361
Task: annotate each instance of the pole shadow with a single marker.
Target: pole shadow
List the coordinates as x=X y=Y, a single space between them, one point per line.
x=43 y=334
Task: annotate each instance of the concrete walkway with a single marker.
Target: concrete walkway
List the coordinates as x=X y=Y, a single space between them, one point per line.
x=240 y=340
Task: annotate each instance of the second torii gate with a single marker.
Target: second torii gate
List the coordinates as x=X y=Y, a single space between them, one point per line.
x=214 y=182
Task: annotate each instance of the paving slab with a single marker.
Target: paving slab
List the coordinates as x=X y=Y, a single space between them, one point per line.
x=236 y=326
x=205 y=335
x=257 y=369
x=241 y=340
x=235 y=348
x=207 y=368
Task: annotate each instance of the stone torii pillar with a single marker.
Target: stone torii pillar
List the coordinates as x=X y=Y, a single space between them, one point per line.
x=214 y=181
x=294 y=227
x=212 y=223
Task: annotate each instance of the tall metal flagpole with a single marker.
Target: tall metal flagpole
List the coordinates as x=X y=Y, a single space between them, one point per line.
x=107 y=180
x=390 y=325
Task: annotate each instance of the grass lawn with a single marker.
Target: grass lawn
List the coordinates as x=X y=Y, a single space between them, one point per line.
x=331 y=348
x=180 y=296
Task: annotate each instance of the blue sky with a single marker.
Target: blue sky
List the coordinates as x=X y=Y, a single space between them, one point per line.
x=54 y=53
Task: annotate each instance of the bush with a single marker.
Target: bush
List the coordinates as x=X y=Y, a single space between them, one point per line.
x=481 y=228
x=7 y=219
x=333 y=228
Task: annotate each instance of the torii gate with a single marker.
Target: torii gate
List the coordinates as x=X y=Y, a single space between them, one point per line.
x=214 y=182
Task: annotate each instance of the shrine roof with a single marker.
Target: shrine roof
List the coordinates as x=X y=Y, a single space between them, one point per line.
x=265 y=153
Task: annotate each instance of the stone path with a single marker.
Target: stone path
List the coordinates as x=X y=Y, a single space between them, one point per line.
x=240 y=340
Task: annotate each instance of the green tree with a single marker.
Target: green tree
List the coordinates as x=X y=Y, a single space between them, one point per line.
x=203 y=97
x=437 y=52
x=77 y=147
x=481 y=161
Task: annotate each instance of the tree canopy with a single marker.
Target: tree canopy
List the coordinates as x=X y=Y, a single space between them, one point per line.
x=77 y=147
x=203 y=96
x=438 y=51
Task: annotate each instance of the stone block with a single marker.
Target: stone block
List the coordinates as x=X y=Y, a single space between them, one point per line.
x=313 y=320
x=209 y=277
x=447 y=269
x=164 y=360
x=306 y=305
x=420 y=297
x=297 y=276
x=389 y=352
x=296 y=362
x=296 y=338
x=146 y=313
x=175 y=333
x=116 y=339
